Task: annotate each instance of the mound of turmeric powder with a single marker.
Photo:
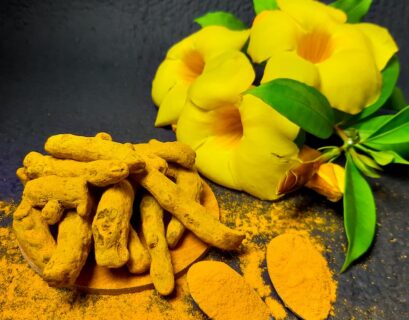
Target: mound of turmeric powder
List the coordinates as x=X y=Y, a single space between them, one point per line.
x=64 y=188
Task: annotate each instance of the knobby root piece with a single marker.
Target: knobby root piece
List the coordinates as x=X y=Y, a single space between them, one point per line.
x=176 y=152
x=72 y=193
x=161 y=270
x=21 y=173
x=191 y=183
x=154 y=161
x=100 y=173
x=33 y=234
x=52 y=211
x=194 y=216
x=73 y=246
x=111 y=225
x=103 y=136
x=68 y=146
x=301 y=276
x=139 y=258
x=223 y=294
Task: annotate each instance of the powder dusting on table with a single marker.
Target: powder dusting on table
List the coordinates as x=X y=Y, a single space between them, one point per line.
x=24 y=295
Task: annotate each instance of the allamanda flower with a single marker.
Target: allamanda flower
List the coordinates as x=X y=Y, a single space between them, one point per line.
x=184 y=63
x=240 y=142
x=311 y=42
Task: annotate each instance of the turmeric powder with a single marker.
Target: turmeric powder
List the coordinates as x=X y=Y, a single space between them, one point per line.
x=301 y=276
x=73 y=246
x=72 y=193
x=190 y=182
x=223 y=294
x=161 y=270
x=100 y=173
x=110 y=226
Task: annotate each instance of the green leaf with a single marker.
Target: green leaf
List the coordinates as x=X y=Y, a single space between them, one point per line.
x=300 y=103
x=395 y=122
x=221 y=18
x=389 y=78
x=359 y=213
x=392 y=135
x=370 y=125
x=384 y=158
x=396 y=101
x=362 y=163
x=355 y=9
x=300 y=139
x=262 y=5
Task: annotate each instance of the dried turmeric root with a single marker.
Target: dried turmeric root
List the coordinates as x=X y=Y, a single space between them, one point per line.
x=73 y=246
x=111 y=225
x=21 y=174
x=100 y=173
x=71 y=193
x=194 y=216
x=33 y=234
x=176 y=152
x=52 y=211
x=161 y=270
x=192 y=184
x=68 y=146
x=139 y=257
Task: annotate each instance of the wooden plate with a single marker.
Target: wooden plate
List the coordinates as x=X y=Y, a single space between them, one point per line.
x=102 y=280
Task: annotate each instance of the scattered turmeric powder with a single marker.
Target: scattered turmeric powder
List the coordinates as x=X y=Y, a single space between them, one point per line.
x=301 y=276
x=223 y=294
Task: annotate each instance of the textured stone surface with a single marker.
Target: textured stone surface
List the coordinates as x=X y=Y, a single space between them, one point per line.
x=83 y=66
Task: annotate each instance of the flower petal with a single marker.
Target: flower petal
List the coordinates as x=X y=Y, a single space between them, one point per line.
x=209 y=41
x=223 y=79
x=172 y=105
x=350 y=80
x=213 y=155
x=272 y=31
x=311 y=14
x=382 y=43
x=266 y=152
x=165 y=79
x=290 y=65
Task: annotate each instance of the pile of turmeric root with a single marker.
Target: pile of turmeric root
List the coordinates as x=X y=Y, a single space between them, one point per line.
x=86 y=186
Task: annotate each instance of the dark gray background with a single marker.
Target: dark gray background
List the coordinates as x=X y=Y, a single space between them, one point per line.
x=84 y=66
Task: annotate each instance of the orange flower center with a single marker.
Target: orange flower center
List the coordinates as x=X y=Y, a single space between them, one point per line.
x=227 y=125
x=315 y=46
x=194 y=64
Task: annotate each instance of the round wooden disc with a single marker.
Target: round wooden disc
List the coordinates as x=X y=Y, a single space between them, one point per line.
x=102 y=280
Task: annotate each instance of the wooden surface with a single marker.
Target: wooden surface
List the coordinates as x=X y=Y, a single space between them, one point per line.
x=102 y=280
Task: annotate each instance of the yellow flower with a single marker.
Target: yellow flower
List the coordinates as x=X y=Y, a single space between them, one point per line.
x=184 y=63
x=311 y=42
x=329 y=181
x=240 y=142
